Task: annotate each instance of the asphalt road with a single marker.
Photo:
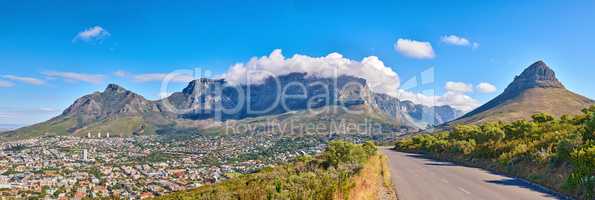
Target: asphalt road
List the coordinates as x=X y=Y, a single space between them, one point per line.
x=419 y=178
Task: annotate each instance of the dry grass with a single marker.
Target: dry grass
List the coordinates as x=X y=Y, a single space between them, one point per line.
x=554 y=101
x=373 y=181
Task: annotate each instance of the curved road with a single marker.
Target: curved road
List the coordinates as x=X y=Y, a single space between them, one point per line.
x=419 y=178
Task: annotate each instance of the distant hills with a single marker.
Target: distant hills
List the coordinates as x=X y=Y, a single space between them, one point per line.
x=535 y=90
x=8 y=127
x=209 y=105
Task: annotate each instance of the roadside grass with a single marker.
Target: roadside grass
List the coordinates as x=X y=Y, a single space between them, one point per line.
x=373 y=181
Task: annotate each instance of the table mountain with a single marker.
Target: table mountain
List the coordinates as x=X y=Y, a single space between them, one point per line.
x=207 y=103
x=535 y=90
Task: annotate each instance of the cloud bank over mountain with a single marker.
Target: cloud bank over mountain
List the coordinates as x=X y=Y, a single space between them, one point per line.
x=381 y=78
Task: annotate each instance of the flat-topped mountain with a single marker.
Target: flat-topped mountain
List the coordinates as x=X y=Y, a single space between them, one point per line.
x=535 y=90
x=205 y=103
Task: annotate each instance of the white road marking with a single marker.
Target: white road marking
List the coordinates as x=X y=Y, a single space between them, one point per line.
x=463 y=190
x=444 y=180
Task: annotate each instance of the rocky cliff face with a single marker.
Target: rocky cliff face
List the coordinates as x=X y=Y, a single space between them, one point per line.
x=205 y=98
x=433 y=115
x=537 y=75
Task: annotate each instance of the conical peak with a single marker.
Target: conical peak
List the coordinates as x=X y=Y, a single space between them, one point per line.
x=539 y=71
x=537 y=75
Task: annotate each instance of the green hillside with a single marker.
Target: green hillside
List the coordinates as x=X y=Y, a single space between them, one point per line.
x=328 y=176
x=555 y=152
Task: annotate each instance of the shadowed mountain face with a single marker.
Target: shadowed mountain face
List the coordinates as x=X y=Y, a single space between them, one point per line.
x=536 y=90
x=114 y=100
x=206 y=101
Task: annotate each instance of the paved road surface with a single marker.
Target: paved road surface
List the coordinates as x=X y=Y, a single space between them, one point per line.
x=419 y=178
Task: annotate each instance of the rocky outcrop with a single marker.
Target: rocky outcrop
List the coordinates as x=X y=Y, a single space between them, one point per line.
x=537 y=75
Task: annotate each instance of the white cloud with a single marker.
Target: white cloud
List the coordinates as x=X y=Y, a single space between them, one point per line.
x=150 y=77
x=456 y=100
x=486 y=87
x=380 y=78
x=455 y=40
x=28 y=80
x=120 y=73
x=76 y=77
x=414 y=49
x=459 y=41
x=6 y=84
x=95 y=33
x=458 y=87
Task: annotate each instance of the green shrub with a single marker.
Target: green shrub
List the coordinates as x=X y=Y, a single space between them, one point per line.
x=583 y=174
x=341 y=152
x=464 y=132
x=370 y=148
x=490 y=132
x=589 y=133
x=519 y=129
x=542 y=117
x=464 y=147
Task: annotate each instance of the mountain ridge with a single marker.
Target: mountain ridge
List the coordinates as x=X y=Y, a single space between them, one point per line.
x=203 y=101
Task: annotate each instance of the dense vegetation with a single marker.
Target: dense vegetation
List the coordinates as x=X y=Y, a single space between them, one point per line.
x=327 y=176
x=559 y=153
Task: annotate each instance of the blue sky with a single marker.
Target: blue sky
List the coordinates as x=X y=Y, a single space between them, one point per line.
x=45 y=66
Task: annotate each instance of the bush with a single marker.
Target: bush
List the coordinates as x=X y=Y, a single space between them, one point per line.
x=464 y=132
x=465 y=147
x=564 y=148
x=542 y=117
x=583 y=175
x=490 y=132
x=370 y=148
x=341 y=152
x=520 y=129
x=589 y=133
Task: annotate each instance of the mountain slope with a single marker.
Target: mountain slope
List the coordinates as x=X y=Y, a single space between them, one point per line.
x=206 y=103
x=114 y=110
x=535 y=90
